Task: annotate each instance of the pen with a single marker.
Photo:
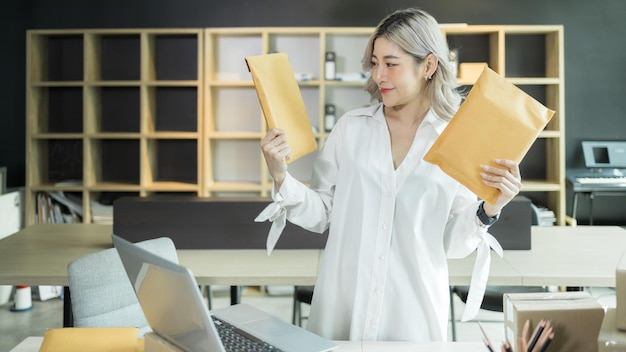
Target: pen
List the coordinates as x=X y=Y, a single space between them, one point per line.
x=545 y=345
x=536 y=335
x=488 y=346
x=486 y=338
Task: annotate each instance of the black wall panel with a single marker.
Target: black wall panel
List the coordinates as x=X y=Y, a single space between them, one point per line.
x=595 y=53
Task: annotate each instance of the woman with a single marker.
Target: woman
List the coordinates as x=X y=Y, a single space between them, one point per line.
x=393 y=218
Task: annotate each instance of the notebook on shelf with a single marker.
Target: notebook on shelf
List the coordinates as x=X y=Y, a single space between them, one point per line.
x=175 y=310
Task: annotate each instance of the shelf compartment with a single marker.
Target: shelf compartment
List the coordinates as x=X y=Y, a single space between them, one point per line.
x=173 y=57
x=172 y=160
x=222 y=47
x=346 y=98
x=119 y=57
x=525 y=55
x=56 y=160
x=349 y=49
x=173 y=109
x=235 y=109
x=114 y=109
x=301 y=61
x=480 y=46
x=56 y=57
x=115 y=161
x=56 y=109
x=234 y=161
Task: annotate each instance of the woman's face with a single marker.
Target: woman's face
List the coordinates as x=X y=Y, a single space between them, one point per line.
x=396 y=74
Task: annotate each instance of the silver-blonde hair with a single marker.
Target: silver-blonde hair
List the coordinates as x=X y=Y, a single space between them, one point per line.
x=418 y=34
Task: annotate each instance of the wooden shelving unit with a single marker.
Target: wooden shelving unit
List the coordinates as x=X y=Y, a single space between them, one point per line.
x=152 y=111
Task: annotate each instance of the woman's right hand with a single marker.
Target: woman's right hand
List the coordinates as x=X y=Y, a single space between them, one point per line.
x=276 y=151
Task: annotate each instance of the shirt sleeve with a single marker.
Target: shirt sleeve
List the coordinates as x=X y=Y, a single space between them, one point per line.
x=307 y=207
x=463 y=235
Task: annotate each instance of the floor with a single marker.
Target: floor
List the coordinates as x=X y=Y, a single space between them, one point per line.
x=15 y=326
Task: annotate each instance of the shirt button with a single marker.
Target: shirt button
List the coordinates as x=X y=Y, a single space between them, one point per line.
x=384 y=226
x=382 y=257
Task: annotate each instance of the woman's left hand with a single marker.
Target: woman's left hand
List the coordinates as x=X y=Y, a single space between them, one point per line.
x=506 y=179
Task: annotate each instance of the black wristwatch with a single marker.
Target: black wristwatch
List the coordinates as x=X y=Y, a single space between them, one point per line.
x=483 y=217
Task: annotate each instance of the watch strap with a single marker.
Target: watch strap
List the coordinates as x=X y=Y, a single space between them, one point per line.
x=483 y=217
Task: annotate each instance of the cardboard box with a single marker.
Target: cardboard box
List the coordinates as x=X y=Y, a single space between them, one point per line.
x=611 y=339
x=576 y=316
x=620 y=292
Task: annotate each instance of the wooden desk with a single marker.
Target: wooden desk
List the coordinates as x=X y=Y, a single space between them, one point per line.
x=570 y=256
x=563 y=256
x=32 y=344
x=39 y=254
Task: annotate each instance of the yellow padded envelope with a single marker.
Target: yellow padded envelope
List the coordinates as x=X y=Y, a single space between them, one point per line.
x=92 y=339
x=281 y=101
x=497 y=120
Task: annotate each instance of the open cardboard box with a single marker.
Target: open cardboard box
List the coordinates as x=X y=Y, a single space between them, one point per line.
x=576 y=317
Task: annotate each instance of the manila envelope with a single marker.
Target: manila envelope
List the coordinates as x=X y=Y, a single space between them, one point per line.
x=497 y=120
x=281 y=101
x=123 y=339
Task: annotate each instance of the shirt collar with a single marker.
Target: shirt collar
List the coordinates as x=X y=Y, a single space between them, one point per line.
x=431 y=118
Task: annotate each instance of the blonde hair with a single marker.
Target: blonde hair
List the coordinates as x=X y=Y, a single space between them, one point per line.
x=418 y=34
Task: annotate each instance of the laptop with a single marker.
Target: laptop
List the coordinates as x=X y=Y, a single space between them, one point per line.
x=175 y=310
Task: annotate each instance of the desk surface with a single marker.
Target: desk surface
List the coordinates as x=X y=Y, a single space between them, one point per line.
x=32 y=344
x=566 y=256
x=39 y=254
x=570 y=256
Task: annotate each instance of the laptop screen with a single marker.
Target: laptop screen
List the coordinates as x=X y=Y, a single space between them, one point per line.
x=604 y=154
x=169 y=297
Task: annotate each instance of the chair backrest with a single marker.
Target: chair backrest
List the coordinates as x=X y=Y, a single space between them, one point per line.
x=102 y=295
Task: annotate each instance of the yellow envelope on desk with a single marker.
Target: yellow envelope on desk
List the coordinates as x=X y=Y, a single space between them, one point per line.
x=92 y=339
x=497 y=121
x=281 y=101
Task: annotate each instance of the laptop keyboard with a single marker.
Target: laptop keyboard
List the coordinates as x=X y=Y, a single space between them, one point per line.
x=237 y=340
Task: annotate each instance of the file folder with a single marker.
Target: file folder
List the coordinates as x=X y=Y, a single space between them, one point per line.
x=497 y=120
x=281 y=101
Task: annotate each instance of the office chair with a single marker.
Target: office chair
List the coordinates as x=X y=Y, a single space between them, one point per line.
x=102 y=295
x=301 y=294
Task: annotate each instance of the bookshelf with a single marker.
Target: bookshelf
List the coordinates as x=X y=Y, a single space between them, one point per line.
x=163 y=111
x=113 y=111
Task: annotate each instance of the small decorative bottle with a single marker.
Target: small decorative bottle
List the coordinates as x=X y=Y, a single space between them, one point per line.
x=329 y=66
x=329 y=118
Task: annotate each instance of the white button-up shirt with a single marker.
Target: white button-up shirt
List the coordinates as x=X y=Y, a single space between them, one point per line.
x=384 y=274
